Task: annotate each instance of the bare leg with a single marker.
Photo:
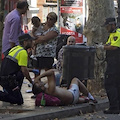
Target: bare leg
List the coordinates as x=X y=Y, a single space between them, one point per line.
x=82 y=87
x=81 y=100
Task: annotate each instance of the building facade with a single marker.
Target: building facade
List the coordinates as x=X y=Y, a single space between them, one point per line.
x=41 y=8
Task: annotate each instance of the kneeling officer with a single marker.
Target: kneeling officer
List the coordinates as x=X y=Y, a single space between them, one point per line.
x=13 y=71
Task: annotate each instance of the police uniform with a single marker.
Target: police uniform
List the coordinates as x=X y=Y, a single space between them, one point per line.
x=11 y=75
x=112 y=74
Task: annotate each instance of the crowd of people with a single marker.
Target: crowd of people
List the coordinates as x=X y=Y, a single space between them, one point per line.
x=42 y=42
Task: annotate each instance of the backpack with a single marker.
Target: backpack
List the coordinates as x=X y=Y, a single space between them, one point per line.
x=49 y=100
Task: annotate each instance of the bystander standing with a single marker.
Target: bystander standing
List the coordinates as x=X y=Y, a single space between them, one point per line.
x=112 y=74
x=13 y=27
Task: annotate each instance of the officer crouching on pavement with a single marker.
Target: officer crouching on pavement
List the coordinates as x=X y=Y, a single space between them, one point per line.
x=13 y=71
x=112 y=74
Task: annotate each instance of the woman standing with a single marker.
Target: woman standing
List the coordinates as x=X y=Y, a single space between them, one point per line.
x=46 y=43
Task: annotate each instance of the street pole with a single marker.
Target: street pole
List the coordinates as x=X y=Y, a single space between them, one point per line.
x=118 y=19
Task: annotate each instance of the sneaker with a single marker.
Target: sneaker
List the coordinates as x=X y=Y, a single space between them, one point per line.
x=92 y=101
x=85 y=98
x=33 y=96
x=109 y=111
x=30 y=85
x=28 y=91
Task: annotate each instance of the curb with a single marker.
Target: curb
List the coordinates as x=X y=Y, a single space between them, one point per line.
x=67 y=112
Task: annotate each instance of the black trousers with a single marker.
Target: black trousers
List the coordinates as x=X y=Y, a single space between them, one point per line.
x=112 y=82
x=112 y=86
x=10 y=95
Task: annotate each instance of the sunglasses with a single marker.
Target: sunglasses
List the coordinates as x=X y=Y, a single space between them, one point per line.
x=48 y=18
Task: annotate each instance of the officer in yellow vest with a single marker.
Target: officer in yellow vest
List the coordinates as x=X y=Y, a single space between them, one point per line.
x=13 y=71
x=112 y=74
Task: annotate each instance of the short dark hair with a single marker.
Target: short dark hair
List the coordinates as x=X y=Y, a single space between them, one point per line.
x=109 y=21
x=22 y=4
x=36 y=89
x=21 y=43
x=33 y=20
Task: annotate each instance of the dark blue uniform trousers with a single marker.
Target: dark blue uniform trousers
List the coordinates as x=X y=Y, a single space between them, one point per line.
x=13 y=96
x=112 y=82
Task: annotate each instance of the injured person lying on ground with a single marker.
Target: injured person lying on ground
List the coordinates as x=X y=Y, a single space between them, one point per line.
x=66 y=96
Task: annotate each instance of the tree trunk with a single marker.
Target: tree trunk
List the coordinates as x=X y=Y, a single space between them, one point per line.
x=95 y=33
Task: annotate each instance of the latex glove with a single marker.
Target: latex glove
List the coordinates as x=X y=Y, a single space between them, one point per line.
x=36 y=71
x=100 y=46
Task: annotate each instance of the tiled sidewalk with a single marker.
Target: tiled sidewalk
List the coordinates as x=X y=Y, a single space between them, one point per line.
x=28 y=111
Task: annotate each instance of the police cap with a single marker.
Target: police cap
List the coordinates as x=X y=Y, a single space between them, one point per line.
x=25 y=37
x=109 y=21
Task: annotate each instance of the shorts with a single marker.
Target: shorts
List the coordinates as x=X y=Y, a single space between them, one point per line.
x=44 y=62
x=74 y=89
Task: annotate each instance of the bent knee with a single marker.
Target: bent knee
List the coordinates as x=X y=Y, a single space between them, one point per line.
x=75 y=80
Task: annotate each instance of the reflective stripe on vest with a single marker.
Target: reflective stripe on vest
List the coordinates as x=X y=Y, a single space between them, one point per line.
x=118 y=30
x=14 y=56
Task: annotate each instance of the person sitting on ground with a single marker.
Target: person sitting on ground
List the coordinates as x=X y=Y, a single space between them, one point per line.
x=59 y=64
x=70 y=96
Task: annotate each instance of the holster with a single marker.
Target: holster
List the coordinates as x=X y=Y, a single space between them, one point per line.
x=9 y=81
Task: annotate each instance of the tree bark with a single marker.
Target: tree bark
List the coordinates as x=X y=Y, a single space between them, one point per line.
x=95 y=33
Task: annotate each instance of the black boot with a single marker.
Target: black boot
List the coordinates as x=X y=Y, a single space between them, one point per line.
x=111 y=111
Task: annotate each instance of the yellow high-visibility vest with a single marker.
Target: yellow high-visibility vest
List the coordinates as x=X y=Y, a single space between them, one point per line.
x=18 y=54
x=114 y=38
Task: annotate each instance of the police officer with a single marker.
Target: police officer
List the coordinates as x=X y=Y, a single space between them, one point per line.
x=112 y=74
x=13 y=71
